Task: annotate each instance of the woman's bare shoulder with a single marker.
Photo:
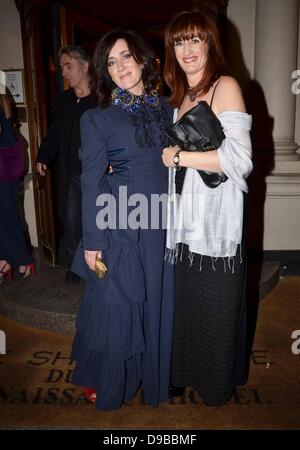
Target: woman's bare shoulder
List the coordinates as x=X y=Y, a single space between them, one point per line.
x=229 y=95
x=228 y=82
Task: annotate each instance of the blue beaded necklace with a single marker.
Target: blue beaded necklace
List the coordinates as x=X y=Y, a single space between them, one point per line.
x=131 y=102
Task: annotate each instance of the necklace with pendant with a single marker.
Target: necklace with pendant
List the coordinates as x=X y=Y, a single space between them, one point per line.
x=192 y=97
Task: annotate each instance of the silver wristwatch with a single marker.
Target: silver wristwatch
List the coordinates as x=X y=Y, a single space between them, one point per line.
x=176 y=160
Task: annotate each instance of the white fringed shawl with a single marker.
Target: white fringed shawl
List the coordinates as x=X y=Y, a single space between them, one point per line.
x=210 y=221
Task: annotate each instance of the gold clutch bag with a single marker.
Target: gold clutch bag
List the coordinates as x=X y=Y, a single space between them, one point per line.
x=100 y=268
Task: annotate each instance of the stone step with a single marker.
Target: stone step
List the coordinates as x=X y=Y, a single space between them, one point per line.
x=47 y=302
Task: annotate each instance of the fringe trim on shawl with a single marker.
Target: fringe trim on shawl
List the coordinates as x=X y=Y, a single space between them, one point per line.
x=172 y=255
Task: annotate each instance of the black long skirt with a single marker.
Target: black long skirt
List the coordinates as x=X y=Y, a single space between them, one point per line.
x=209 y=344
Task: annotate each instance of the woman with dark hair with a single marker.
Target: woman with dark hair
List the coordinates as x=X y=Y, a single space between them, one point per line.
x=209 y=252
x=124 y=325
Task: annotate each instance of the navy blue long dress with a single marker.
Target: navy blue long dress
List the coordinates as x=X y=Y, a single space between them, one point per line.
x=124 y=324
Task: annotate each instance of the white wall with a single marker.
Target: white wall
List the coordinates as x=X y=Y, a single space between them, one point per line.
x=11 y=57
x=297 y=127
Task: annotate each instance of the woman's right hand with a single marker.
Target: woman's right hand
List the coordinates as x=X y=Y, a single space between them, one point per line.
x=90 y=257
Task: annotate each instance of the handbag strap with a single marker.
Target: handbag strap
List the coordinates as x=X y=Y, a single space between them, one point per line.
x=213 y=94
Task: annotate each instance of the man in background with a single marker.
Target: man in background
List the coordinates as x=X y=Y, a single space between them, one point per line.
x=62 y=144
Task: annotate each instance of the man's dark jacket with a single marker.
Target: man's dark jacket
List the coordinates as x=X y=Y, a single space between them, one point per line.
x=63 y=141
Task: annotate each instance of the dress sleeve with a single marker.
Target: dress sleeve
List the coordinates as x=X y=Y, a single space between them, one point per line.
x=235 y=152
x=93 y=154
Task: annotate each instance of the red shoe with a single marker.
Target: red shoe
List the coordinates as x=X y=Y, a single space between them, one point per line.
x=90 y=394
x=6 y=273
x=29 y=269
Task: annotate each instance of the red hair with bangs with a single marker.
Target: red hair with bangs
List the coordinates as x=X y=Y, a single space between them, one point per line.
x=183 y=26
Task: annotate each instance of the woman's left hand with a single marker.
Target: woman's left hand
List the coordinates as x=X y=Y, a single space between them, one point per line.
x=168 y=155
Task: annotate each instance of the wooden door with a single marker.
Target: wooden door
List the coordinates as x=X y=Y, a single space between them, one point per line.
x=36 y=102
x=45 y=28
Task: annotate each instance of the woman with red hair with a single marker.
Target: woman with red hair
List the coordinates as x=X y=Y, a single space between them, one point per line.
x=210 y=321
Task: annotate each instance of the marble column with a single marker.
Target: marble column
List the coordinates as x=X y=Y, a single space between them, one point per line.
x=276 y=43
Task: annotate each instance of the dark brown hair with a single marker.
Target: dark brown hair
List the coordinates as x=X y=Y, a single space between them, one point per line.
x=141 y=53
x=186 y=25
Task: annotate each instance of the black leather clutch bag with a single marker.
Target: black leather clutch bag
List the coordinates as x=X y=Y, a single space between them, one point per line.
x=199 y=130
